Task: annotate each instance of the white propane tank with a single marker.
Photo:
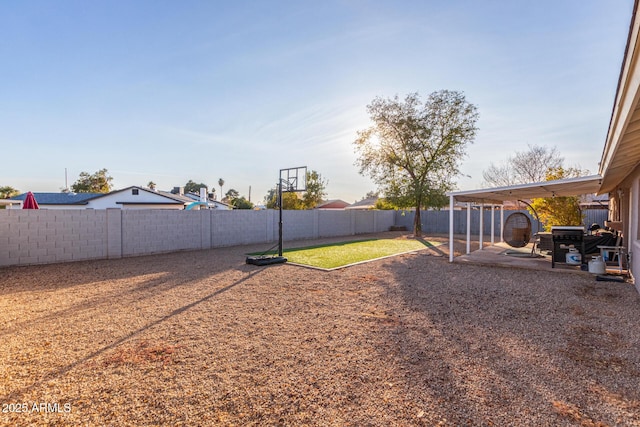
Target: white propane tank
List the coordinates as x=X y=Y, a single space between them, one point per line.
x=574 y=257
x=597 y=265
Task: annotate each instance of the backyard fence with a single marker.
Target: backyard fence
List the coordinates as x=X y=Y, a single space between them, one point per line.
x=51 y=236
x=437 y=222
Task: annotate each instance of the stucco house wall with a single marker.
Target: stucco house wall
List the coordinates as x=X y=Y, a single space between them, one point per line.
x=619 y=165
x=633 y=220
x=625 y=208
x=134 y=198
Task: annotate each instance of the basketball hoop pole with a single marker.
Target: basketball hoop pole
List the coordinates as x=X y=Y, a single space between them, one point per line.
x=296 y=180
x=280 y=220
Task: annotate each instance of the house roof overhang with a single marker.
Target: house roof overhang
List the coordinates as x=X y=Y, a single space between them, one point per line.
x=621 y=154
x=560 y=187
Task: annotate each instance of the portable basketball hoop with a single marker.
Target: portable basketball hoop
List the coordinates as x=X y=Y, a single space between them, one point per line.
x=291 y=180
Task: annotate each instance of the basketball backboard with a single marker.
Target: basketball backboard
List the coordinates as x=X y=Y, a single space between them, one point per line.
x=293 y=179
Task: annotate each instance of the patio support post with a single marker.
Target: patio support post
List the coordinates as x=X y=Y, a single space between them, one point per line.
x=468 y=227
x=451 y=203
x=481 y=225
x=493 y=223
x=502 y=223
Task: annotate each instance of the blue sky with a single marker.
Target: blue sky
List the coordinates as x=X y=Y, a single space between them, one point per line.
x=168 y=91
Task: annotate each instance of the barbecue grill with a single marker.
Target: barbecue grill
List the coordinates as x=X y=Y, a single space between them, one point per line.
x=563 y=237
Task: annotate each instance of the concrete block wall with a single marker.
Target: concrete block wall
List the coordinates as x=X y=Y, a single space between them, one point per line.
x=373 y=220
x=240 y=227
x=114 y=233
x=365 y=221
x=298 y=225
x=51 y=236
x=326 y=223
x=148 y=231
x=336 y=223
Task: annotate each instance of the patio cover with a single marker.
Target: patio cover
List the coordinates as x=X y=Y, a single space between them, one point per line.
x=559 y=187
x=498 y=195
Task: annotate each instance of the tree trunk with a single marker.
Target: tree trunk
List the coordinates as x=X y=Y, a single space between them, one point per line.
x=417 y=223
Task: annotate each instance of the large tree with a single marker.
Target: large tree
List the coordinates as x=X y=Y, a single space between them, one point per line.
x=290 y=200
x=99 y=182
x=310 y=198
x=413 y=149
x=315 y=190
x=524 y=167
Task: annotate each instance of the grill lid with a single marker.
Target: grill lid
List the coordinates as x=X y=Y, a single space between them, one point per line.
x=567 y=231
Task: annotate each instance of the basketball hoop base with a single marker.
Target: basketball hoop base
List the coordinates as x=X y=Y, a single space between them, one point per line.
x=266 y=260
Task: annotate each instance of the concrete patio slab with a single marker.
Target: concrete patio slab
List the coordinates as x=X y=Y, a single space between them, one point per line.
x=503 y=255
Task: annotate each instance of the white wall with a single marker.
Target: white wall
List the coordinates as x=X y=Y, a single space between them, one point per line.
x=50 y=236
x=116 y=200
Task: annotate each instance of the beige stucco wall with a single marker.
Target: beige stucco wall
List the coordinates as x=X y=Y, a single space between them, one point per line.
x=625 y=206
x=632 y=219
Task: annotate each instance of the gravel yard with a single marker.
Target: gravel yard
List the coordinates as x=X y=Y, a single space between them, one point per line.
x=201 y=338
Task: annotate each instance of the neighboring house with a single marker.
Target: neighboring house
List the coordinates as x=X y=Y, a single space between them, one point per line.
x=369 y=203
x=592 y=201
x=620 y=162
x=332 y=204
x=8 y=203
x=127 y=198
x=138 y=198
x=58 y=200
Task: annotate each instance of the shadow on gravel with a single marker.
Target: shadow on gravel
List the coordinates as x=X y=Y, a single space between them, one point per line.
x=132 y=279
x=15 y=395
x=486 y=346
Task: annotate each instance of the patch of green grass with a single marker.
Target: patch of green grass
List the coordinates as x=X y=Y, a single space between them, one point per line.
x=340 y=254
